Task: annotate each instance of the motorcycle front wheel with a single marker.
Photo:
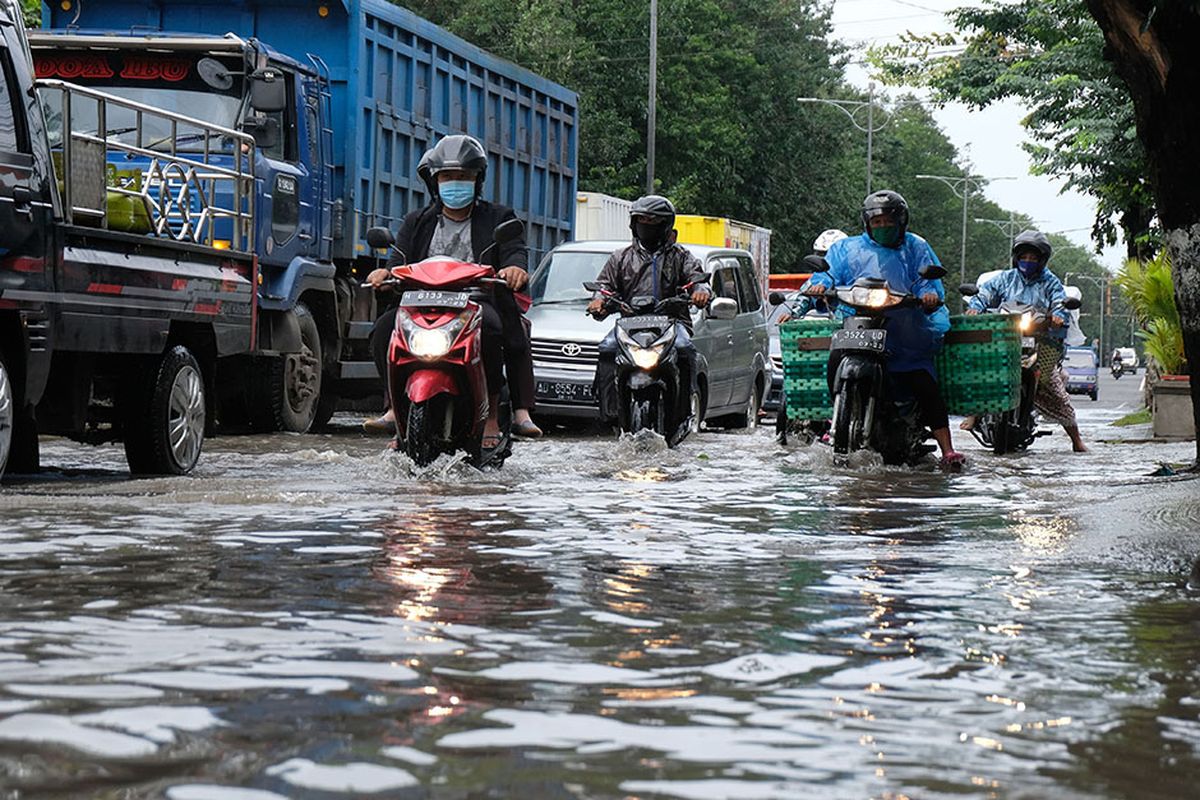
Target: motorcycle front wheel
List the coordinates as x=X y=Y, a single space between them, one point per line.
x=422 y=432
x=849 y=420
x=645 y=413
x=1002 y=433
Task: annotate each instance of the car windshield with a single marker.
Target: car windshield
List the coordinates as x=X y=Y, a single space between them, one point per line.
x=560 y=276
x=1080 y=358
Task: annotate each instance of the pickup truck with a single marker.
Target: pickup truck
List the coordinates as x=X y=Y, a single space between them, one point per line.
x=364 y=88
x=119 y=308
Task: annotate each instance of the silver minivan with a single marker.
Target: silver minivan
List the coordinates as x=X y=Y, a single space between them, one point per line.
x=733 y=361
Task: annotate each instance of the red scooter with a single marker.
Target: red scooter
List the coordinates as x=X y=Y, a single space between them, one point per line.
x=436 y=380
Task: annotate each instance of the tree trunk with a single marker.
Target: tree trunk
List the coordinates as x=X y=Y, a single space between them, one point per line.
x=1153 y=46
x=1135 y=225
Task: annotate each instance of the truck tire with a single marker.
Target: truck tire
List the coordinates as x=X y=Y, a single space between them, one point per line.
x=285 y=395
x=164 y=415
x=8 y=415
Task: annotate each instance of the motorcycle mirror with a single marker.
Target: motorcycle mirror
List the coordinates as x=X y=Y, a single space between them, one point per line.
x=591 y=286
x=968 y=289
x=380 y=237
x=1072 y=304
x=816 y=263
x=933 y=272
x=776 y=298
x=508 y=231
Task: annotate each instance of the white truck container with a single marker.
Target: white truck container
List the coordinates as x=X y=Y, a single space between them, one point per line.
x=601 y=216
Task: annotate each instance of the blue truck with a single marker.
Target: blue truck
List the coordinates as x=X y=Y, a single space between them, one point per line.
x=342 y=98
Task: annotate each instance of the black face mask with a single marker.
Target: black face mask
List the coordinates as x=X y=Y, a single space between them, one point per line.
x=651 y=235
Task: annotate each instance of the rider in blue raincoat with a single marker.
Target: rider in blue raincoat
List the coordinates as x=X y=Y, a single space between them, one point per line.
x=887 y=250
x=1031 y=282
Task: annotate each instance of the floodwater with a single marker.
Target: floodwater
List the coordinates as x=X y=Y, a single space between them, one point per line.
x=306 y=617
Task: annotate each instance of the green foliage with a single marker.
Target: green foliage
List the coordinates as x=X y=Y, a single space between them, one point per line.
x=1049 y=54
x=33 y=13
x=1148 y=288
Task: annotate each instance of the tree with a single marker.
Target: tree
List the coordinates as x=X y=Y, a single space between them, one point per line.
x=1152 y=44
x=1049 y=54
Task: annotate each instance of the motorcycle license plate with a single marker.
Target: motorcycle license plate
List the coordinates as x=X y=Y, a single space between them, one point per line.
x=871 y=339
x=565 y=391
x=1028 y=343
x=427 y=297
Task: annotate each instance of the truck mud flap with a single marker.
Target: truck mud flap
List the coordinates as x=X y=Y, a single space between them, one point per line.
x=278 y=332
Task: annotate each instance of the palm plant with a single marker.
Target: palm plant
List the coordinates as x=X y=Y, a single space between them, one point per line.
x=1148 y=288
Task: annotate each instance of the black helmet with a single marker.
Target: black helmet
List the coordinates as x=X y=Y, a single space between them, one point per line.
x=653 y=205
x=453 y=152
x=886 y=200
x=1032 y=240
x=652 y=236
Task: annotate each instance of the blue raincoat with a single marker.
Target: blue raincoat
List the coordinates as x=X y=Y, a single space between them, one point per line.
x=1044 y=292
x=914 y=336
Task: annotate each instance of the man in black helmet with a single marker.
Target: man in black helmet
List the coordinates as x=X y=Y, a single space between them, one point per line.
x=652 y=266
x=459 y=224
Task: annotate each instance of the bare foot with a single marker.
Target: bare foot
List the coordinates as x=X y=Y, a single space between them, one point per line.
x=967 y=424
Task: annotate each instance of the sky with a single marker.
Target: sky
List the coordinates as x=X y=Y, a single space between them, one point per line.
x=991 y=138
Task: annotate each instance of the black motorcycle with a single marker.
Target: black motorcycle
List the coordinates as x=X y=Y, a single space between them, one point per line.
x=1014 y=430
x=647 y=367
x=868 y=413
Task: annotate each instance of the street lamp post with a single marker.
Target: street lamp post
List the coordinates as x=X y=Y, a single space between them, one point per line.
x=852 y=107
x=1010 y=226
x=961 y=186
x=652 y=111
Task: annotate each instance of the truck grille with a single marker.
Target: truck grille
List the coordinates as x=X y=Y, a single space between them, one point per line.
x=572 y=355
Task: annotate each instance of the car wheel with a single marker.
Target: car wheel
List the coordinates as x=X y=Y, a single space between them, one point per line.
x=165 y=416
x=7 y=415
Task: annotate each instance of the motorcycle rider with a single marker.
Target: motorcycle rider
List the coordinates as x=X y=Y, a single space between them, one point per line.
x=803 y=304
x=653 y=265
x=458 y=224
x=888 y=250
x=1029 y=281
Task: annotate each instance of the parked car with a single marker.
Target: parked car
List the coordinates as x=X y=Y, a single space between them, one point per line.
x=734 y=364
x=1082 y=367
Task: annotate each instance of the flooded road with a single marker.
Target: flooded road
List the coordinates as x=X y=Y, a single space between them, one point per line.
x=305 y=617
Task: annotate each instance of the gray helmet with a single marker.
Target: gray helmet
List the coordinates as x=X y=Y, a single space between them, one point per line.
x=453 y=152
x=886 y=200
x=1032 y=240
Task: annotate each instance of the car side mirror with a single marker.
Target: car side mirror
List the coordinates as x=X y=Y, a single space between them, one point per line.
x=968 y=289
x=265 y=131
x=1072 y=304
x=268 y=91
x=508 y=231
x=933 y=272
x=816 y=263
x=379 y=238
x=776 y=298
x=723 y=308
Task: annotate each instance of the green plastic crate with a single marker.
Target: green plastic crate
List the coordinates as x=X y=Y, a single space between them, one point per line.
x=979 y=365
x=804 y=344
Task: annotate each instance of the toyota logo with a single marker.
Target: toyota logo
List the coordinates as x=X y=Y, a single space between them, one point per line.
x=570 y=349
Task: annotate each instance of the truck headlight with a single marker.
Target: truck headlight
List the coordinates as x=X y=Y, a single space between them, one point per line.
x=429 y=343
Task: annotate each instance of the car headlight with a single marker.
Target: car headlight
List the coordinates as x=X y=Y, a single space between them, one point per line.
x=429 y=343
x=1026 y=321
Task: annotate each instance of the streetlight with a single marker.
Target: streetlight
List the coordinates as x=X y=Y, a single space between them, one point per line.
x=961 y=186
x=1102 y=283
x=851 y=108
x=1010 y=226
x=652 y=112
